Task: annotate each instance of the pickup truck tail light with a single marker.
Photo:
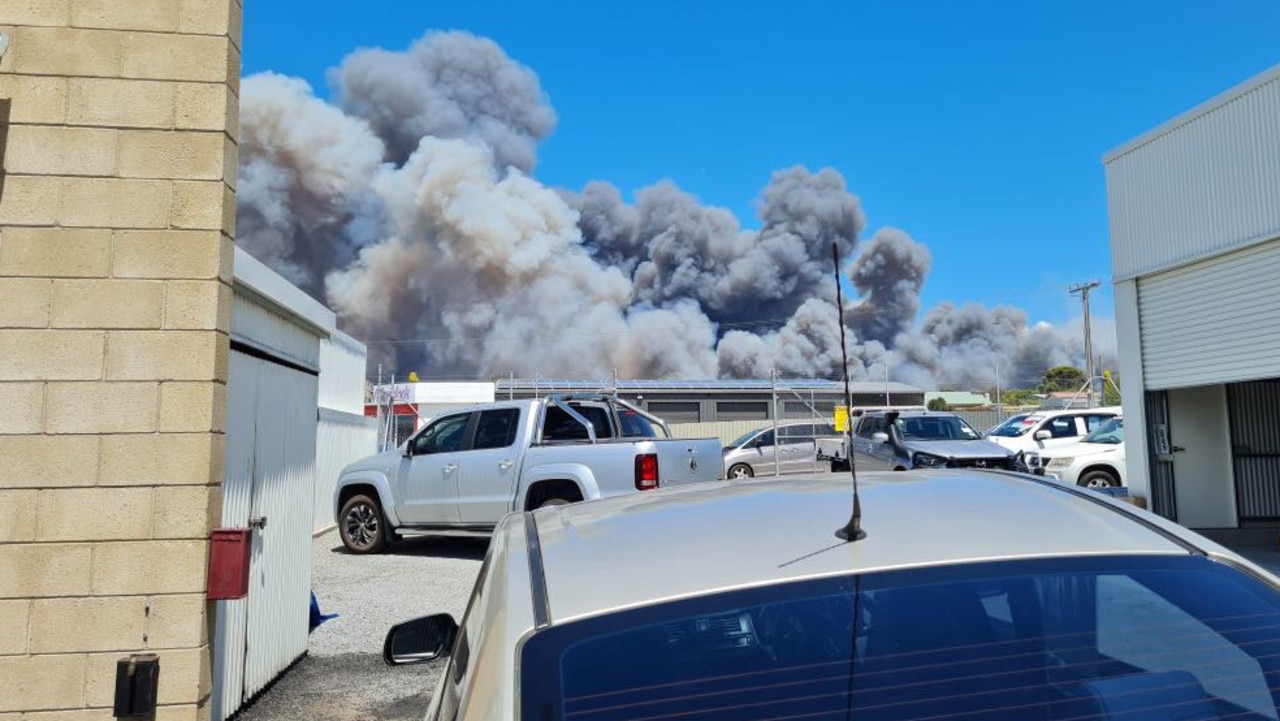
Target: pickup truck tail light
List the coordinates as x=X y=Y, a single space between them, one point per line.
x=646 y=471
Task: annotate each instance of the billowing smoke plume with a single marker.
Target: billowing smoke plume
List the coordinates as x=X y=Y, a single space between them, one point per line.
x=447 y=85
x=305 y=170
x=408 y=207
x=888 y=274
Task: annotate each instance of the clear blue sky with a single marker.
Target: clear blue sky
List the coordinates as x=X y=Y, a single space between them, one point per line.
x=976 y=126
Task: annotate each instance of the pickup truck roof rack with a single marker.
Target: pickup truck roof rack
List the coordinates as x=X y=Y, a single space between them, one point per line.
x=562 y=401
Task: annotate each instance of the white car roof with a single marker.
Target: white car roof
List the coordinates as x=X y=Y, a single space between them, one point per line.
x=643 y=548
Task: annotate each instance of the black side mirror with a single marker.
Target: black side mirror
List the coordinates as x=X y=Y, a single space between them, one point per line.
x=420 y=640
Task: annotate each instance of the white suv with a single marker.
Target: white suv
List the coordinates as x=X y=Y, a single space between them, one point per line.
x=1095 y=462
x=1039 y=432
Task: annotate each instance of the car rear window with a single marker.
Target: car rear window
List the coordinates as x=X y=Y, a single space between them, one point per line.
x=1154 y=637
x=635 y=425
x=560 y=426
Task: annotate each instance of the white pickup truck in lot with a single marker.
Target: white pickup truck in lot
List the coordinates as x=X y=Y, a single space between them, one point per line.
x=468 y=468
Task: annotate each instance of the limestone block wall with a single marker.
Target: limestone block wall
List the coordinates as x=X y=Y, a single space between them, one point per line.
x=118 y=131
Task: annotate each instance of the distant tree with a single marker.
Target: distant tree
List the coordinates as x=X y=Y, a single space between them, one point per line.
x=938 y=404
x=1111 y=394
x=1019 y=397
x=1062 y=378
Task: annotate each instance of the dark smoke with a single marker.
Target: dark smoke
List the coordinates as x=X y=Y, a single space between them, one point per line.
x=447 y=85
x=410 y=210
x=888 y=274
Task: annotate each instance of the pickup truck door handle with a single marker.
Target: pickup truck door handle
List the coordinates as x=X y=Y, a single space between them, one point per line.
x=504 y=465
x=450 y=467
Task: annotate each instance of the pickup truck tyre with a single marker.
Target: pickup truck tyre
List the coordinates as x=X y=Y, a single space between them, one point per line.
x=1098 y=479
x=363 y=526
x=741 y=470
x=554 y=502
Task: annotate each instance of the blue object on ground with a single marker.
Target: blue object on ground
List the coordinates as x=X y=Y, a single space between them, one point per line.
x=318 y=618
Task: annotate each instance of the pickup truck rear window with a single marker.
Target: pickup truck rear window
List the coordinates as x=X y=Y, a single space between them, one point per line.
x=560 y=426
x=1087 y=639
x=635 y=425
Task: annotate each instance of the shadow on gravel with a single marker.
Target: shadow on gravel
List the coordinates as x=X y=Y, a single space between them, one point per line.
x=466 y=549
x=348 y=687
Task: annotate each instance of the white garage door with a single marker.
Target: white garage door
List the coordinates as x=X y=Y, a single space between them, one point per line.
x=1213 y=322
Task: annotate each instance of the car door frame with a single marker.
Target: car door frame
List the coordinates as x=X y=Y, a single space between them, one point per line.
x=427 y=483
x=492 y=471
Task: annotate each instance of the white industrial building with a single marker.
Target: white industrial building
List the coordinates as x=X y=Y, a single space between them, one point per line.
x=1195 y=233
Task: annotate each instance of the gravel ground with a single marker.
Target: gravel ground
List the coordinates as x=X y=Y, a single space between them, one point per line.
x=343 y=678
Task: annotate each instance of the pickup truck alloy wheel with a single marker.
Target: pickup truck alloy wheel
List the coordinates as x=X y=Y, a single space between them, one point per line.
x=741 y=470
x=363 y=529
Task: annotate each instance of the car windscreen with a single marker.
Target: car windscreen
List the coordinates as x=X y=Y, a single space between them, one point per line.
x=737 y=443
x=1110 y=432
x=935 y=428
x=1015 y=426
x=1081 y=638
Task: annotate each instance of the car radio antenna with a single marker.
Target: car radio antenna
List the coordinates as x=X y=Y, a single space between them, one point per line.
x=852 y=531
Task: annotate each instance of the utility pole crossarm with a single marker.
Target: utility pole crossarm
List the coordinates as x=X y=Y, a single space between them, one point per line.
x=1083 y=289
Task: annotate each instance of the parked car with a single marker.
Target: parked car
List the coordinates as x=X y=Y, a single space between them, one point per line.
x=904 y=440
x=1042 y=431
x=753 y=454
x=1097 y=461
x=973 y=595
x=466 y=469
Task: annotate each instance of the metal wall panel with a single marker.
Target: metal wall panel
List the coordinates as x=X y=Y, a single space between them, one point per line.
x=284 y=471
x=1202 y=184
x=1217 y=321
x=342 y=373
x=1255 y=447
x=255 y=322
x=271 y=451
x=237 y=500
x=341 y=438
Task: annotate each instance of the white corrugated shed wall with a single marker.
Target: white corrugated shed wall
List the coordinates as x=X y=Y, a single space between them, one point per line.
x=1204 y=183
x=342 y=373
x=295 y=413
x=344 y=434
x=271 y=451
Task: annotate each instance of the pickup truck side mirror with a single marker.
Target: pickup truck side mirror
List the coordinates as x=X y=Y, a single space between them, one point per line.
x=1043 y=435
x=420 y=640
x=880 y=437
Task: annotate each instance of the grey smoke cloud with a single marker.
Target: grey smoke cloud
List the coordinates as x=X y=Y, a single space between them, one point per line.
x=888 y=274
x=410 y=210
x=447 y=85
x=305 y=169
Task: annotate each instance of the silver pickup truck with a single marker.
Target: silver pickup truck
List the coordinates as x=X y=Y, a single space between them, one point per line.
x=468 y=468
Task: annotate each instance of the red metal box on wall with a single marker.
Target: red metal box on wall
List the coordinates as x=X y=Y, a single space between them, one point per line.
x=229 y=563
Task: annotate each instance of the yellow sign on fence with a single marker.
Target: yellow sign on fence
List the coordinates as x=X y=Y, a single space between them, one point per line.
x=842 y=419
